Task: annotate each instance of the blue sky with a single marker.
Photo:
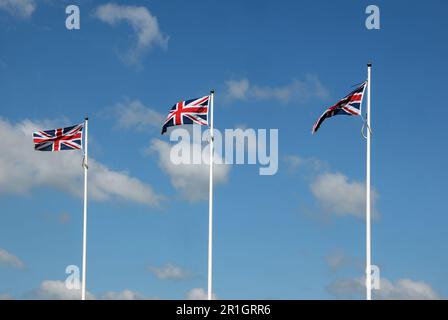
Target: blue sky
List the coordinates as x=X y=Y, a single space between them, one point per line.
x=276 y=237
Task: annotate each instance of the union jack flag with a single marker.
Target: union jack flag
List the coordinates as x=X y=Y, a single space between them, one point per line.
x=188 y=112
x=69 y=138
x=349 y=105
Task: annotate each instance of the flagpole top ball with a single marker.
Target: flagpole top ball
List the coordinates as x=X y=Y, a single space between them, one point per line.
x=212 y=91
x=369 y=64
x=86 y=118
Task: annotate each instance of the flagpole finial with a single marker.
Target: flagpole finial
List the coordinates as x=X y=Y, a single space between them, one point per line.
x=369 y=64
x=212 y=91
x=86 y=118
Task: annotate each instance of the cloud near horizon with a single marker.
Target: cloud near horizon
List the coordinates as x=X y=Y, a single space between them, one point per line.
x=199 y=294
x=57 y=290
x=402 y=289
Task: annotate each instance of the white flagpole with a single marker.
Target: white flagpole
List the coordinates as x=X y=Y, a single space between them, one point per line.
x=368 y=207
x=84 y=236
x=210 y=202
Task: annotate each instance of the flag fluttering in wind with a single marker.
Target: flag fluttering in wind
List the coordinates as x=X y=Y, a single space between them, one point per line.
x=349 y=105
x=69 y=138
x=188 y=112
x=195 y=111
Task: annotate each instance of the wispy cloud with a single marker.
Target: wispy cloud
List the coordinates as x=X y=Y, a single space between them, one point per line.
x=338 y=260
x=57 y=290
x=22 y=169
x=199 y=294
x=18 y=8
x=143 y=23
x=296 y=91
x=402 y=289
x=169 y=272
x=8 y=259
x=237 y=89
x=125 y=294
x=295 y=162
x=135 y=115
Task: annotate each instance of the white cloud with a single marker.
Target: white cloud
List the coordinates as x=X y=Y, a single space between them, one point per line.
x=18 y=8
x=338 y=259
x=347 y=288
x=237 y=89
x=22 y=169
x=294 y=162
x=297 y=91
x=8 y=259
x=4 y=296
x=57 y=290
x=108 y=185
x=144 y=24
x=407 y=289
x=402 y=289
x=190 y=179
x=169 y=272
x=134 y=115
x=199 y=294
x=336 y=194
x=122 y=295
